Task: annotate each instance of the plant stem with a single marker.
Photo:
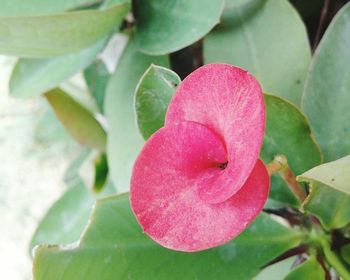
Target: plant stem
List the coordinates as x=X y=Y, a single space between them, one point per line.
x=290 y=253
x=289 y=177
x=276 y=165
x=280 y=165
x=321 y=22
x=334 y=260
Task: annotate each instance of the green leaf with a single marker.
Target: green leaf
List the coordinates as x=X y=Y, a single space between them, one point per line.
x=124 y=139
x=308 y=270
x=66 y=219
x=58 y=34
x=268 y=39
x=101 y=173
x=77 y=120
x=246 y=7
x=326 y=98
x=335 y=174
x=330 y=206
x=114 y=247
x=96 y=78
x=165 y=26
x=32 y=77
x=288 y=133
x=39 y=7
x=325 y=102
x=152 y=97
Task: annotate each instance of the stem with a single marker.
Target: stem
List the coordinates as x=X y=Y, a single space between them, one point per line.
x=334 y=260
x=289 y=177
x=324 y=266
x=290 y=253
x=321 y=22
x=280 y=165
x=276 y=165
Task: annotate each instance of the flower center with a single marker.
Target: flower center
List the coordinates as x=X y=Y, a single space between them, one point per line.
x=223 y=165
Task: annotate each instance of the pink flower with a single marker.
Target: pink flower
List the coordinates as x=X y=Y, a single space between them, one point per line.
x=198 y=182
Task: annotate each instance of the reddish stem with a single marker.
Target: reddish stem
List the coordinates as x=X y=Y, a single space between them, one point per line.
x=280 y=165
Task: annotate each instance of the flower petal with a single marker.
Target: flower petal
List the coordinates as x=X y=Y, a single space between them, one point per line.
x=229 y=101
x=172 y=167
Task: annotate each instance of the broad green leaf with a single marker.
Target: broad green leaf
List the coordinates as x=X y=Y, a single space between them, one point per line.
x=326 y=97
x=335 y=174
x=114 y=247
x=152 y=97
x=268 y=39
x=330 y=206
x=124 y=139
x=308 y=270
x=66 y=219
x=325 y=102
x=288 y=133
x=58 y=34
x=32 y=76
x=96 y=78
x=39 y=7
x=165 y=26
x=276 y=271
x=246 y=7
x=77 y=120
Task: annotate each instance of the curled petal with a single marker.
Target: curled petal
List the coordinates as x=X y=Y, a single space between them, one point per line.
x=229 y=101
